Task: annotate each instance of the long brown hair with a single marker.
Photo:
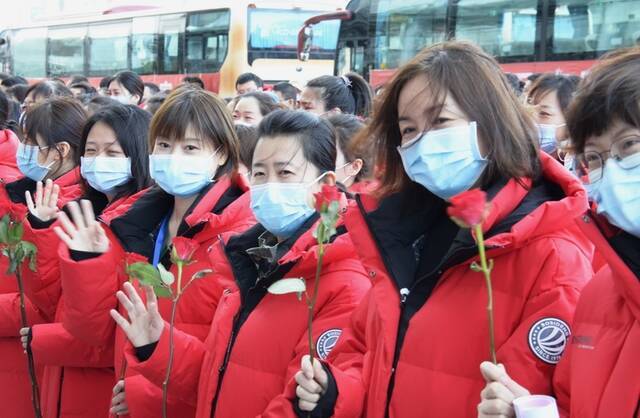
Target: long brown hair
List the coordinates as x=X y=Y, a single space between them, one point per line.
x=476 y=82
x=208 y=117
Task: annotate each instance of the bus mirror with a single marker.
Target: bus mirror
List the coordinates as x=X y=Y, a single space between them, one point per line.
x=306 y=40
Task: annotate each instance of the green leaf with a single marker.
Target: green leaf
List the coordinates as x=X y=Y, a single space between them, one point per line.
x=30 y=252
x=166 y=276
x=286 y=286
x=16 y=231
x=162 y=292
x=202 y=273
x=145 y=273
x=476 y=267
x=4 y=230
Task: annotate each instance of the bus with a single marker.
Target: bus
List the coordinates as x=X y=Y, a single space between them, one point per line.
x=215 y=41
x=525 y=36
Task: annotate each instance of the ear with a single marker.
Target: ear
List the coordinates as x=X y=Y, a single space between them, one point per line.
x=222 y=160
x=64 y=150
x=356 y=166
x=138 y=98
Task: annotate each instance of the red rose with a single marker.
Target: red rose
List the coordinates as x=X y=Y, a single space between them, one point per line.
x=16 y=212
x=132 y=258
x=326 y=196
x=183 y=249
x=468 y=208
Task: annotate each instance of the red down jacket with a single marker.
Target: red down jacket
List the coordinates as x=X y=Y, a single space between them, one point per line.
x=89 y=286
x=599 y=374
x=15 y=390
x=248 y=363
x=78 y=377
x=541 y=262
x=8 y=148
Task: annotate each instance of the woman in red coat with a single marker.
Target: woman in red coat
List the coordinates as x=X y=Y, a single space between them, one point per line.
x=256 y=336
x=8 y=142
x=49 y=152
x=114 y=165
x=599 y=374
x=448 y=123
x=193 y=161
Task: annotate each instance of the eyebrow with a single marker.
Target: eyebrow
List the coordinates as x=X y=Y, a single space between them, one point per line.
x=277 y=164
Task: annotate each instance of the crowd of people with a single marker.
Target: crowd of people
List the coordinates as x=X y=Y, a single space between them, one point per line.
x=111 y=175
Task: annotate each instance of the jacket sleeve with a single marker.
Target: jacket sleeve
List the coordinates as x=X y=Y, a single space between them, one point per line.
x=333 y=314
x=562 y=383
x=188 y=356
x=554 y=297
x=90 y=288
x=10 y=321
x=43 y=286
x=53 y=345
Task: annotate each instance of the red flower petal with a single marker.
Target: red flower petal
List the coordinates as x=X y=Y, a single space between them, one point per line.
x=469 y=207
x=184 y=248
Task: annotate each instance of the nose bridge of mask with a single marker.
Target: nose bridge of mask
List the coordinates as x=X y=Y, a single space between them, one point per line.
x=448 y=140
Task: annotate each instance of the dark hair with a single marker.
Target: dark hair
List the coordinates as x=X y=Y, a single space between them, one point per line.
x=104 y=83
x=347 y=127
x=194 y=80
x=95 y=103
x=247 y=77
x=47 y=89
x=563 y=85
x=154 y=102
x=6 y=114
x=468 y=73
x=288 y=90
x=314 y=134
x=350 y=93
x=610 y=92
x=206 y=114
x=515 y=83
x=266 y=102
x=153 y=87
x=77 y=79
x=4 y=76
x=131 y=127
x=533 y=77
x=19 y=91
x=85 y=86
x=131 y=82
x=14 y=81
x=59 y=119
x=248 y=137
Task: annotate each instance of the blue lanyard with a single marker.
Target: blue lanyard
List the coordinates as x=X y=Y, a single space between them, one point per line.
x=159 y=245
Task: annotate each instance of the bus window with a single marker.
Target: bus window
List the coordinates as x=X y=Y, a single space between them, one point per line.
x=207 y=37
x=66 y=51
x=171 y=33
x=595 y=26
x=108 y=48
x=274 y=34
x=404 y=28
x=144 y=45
x=502 y=28
x=29 y=49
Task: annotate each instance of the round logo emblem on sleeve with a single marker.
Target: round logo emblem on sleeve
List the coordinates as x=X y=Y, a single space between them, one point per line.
x=327 y=341
x=548 y=338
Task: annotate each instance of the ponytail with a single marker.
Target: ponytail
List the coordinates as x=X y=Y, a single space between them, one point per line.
x=350 y=93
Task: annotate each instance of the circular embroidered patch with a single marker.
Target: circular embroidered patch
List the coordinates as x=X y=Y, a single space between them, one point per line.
x=327 y=341
x=548 y=338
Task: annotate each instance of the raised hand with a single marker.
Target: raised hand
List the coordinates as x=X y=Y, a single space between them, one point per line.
x=145 y=324
x=119 y=402
x=312 y=383
x=496 y=399
x=44 y=203
x=84 y=233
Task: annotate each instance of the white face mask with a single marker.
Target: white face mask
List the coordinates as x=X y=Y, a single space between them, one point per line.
x=125 y=100
x=105 y=173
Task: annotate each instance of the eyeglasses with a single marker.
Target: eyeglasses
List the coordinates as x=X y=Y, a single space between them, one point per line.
x=590 y=165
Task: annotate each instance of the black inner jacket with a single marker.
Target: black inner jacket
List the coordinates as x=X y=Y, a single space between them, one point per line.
x=418 y=242
x=138 y=228
x=627 y=247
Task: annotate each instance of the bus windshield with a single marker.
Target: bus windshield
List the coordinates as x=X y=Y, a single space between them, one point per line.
x=274 y=34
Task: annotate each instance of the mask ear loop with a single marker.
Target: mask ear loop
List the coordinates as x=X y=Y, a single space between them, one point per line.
x=349 y=176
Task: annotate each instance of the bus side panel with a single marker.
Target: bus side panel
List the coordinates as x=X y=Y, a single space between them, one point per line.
x=521 y=69
x=211 y=80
